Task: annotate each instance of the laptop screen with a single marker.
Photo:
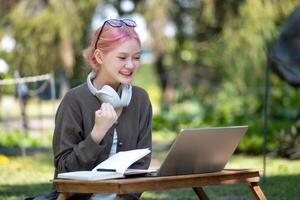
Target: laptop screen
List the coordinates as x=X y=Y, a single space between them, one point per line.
x=201 y=150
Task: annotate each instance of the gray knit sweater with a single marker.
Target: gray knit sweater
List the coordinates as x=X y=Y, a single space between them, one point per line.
x=73 y=146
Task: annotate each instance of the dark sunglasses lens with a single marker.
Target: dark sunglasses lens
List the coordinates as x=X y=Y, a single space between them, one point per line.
x=129 y=22
x=115 y=22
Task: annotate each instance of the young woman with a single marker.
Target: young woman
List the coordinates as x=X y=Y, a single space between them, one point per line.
x=106 y=114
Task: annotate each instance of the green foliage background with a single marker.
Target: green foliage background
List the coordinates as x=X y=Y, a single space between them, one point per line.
x=230 y=89
x=214 y=63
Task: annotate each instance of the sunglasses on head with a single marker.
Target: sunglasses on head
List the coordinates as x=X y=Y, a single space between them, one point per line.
x=116 y=23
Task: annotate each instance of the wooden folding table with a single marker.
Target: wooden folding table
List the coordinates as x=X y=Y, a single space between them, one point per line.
x=142 y=184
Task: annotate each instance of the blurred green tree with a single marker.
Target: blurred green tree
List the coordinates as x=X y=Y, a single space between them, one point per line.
x=50 y=35
x=215 y=69
x=210 y=71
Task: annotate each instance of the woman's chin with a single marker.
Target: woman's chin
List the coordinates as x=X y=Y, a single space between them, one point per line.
x=126 y=80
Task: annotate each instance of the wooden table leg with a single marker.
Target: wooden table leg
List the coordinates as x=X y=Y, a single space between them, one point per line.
x=62 y=196
x=201 y=193
x=257 y=191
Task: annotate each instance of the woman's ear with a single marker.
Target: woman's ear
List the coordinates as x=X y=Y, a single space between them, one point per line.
x=98 y=56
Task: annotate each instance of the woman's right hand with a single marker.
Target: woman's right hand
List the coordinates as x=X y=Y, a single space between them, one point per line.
x=105 y=117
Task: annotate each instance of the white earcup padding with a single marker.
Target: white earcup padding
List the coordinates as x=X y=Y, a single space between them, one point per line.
x=108 y=95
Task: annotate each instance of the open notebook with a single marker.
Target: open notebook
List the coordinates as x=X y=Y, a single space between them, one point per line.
x=114 y=167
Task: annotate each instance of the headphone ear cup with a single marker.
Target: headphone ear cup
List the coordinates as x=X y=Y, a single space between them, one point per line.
x=108 y=95
x=106 y=89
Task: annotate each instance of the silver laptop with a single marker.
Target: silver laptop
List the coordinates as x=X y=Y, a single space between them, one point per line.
x=201 y=150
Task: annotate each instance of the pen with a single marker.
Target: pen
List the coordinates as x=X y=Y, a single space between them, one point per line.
x=106 y=170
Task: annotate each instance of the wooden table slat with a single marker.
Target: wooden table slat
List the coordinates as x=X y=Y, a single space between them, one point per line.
x=123 y=186
x=141 y=184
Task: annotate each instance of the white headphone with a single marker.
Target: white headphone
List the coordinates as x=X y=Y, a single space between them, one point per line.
x=108 y=95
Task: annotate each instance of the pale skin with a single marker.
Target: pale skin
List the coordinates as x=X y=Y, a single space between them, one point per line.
x=116 y=67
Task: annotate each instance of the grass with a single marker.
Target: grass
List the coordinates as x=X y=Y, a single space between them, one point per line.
x=24 y=176
x=28 y=176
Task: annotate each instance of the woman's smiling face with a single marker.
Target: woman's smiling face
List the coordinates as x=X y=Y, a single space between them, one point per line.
x=119 y=65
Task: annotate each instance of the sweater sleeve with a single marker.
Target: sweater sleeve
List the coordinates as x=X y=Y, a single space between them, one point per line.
x=145 y=135
x=71 y=150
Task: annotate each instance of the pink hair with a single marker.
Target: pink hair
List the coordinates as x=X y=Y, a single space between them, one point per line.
x=110 y=38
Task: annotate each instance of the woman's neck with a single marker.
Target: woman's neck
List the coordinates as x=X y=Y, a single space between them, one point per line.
x=99 y=84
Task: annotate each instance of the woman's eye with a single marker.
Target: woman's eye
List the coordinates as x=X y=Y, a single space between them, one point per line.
x=137 y=57
x=122 y=58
